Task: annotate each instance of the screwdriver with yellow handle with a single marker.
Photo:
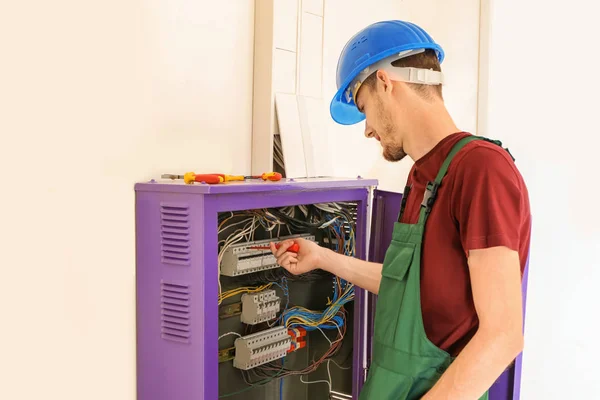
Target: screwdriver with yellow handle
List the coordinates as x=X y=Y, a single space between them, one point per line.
x=191 y=177
x=214 y=178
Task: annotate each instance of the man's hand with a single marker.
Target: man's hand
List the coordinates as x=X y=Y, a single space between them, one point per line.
x=366 y=275
x=496 y=284
x=308 y=258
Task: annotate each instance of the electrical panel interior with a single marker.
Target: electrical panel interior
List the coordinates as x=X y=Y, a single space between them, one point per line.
x=247 y=257
x=260 y=307
x=261 y=347
x=284 y=336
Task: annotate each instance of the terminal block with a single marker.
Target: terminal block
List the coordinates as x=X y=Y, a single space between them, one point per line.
x=261 y=347
x=260 y=307
x=241 y=258
x=298 y=337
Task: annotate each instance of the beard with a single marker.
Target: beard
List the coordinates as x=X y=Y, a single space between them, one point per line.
x=392 y=150
x=393 y=153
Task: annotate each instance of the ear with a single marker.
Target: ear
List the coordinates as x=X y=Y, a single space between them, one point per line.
x=384 y=79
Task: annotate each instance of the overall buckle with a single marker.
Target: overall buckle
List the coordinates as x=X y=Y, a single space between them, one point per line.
x=430 y=195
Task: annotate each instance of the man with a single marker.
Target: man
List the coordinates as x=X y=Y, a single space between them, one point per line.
x=449 y=311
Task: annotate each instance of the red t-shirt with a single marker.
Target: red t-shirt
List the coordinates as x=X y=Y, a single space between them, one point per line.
x=482 y=202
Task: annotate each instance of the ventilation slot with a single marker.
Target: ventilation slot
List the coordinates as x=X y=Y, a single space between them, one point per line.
x=175 y=233
x=175 y=312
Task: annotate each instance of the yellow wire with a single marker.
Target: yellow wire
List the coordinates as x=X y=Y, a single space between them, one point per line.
x=240 y=290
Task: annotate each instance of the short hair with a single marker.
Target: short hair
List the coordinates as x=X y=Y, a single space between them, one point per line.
x=425 y=60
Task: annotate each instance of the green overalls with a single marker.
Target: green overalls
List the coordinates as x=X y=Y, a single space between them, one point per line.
x=405 y=363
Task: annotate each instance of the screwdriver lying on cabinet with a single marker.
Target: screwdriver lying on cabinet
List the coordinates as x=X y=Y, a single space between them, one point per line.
x=212 y=179
x=267 y=176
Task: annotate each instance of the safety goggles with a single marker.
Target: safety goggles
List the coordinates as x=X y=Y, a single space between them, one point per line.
x=403 y=74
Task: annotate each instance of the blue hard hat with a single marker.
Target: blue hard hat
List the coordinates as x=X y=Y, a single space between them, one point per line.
x=372 y=44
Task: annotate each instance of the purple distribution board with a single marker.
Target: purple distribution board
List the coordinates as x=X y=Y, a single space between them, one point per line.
x=182 y=363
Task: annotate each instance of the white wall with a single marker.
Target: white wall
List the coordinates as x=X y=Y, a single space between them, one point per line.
x=95 y=96
x=543 y=103
x=452 y=23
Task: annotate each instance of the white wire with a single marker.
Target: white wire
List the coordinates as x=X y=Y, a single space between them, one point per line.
x=330 y=343
x=321 y=381
x=339 y=366
x=326 y=224
x=245 y=233
x=307 y=382
x=254 y=225
x=237 y=236
x=329 y=375
x=229 y=333
x=227 y=226
x=338 y=328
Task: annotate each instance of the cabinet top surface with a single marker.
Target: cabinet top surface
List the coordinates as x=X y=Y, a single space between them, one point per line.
x=249 y=186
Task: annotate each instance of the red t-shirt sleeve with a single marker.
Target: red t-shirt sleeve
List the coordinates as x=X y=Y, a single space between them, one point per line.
x=486 y=199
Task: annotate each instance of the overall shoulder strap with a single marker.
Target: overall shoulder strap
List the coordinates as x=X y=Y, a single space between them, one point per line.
x=407 y=189
x=432 y=187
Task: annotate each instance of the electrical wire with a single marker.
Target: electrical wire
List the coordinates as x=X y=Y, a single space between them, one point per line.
x=337 y=221
x=329 y=382
x=240 y=290
x=228 y=334
x=281 y=383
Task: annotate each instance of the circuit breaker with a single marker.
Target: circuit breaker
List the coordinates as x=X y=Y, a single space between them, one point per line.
x=261 y=347
x=260 y=307
x=242 y=258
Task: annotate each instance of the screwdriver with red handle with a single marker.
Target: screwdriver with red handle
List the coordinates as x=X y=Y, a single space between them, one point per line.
x=212 y=179
x=191 y=177
x=267 y=176
x=293 y=248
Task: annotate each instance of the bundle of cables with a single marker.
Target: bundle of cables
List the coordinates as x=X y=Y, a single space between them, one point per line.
x=334 y=218
x=234 y=292
x=338 y=225
x=276 y=369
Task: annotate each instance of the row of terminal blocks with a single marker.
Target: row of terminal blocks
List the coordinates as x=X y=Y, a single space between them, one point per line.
x=266 y=346
x=241 y=258
x=271 y=344
x=260 y=307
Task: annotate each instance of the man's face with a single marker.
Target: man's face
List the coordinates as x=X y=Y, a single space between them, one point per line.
x=381 y=117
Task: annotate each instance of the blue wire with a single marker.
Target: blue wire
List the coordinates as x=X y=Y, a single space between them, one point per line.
x=286 y=292
x=281 y=383
x=339 y=299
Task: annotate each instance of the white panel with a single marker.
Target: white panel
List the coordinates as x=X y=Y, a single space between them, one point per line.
x=263 y=109
x=311 y=55
x=285 y=24
x=317 y=151
x=284 y=71
x=286 y=107
x=313 y=6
